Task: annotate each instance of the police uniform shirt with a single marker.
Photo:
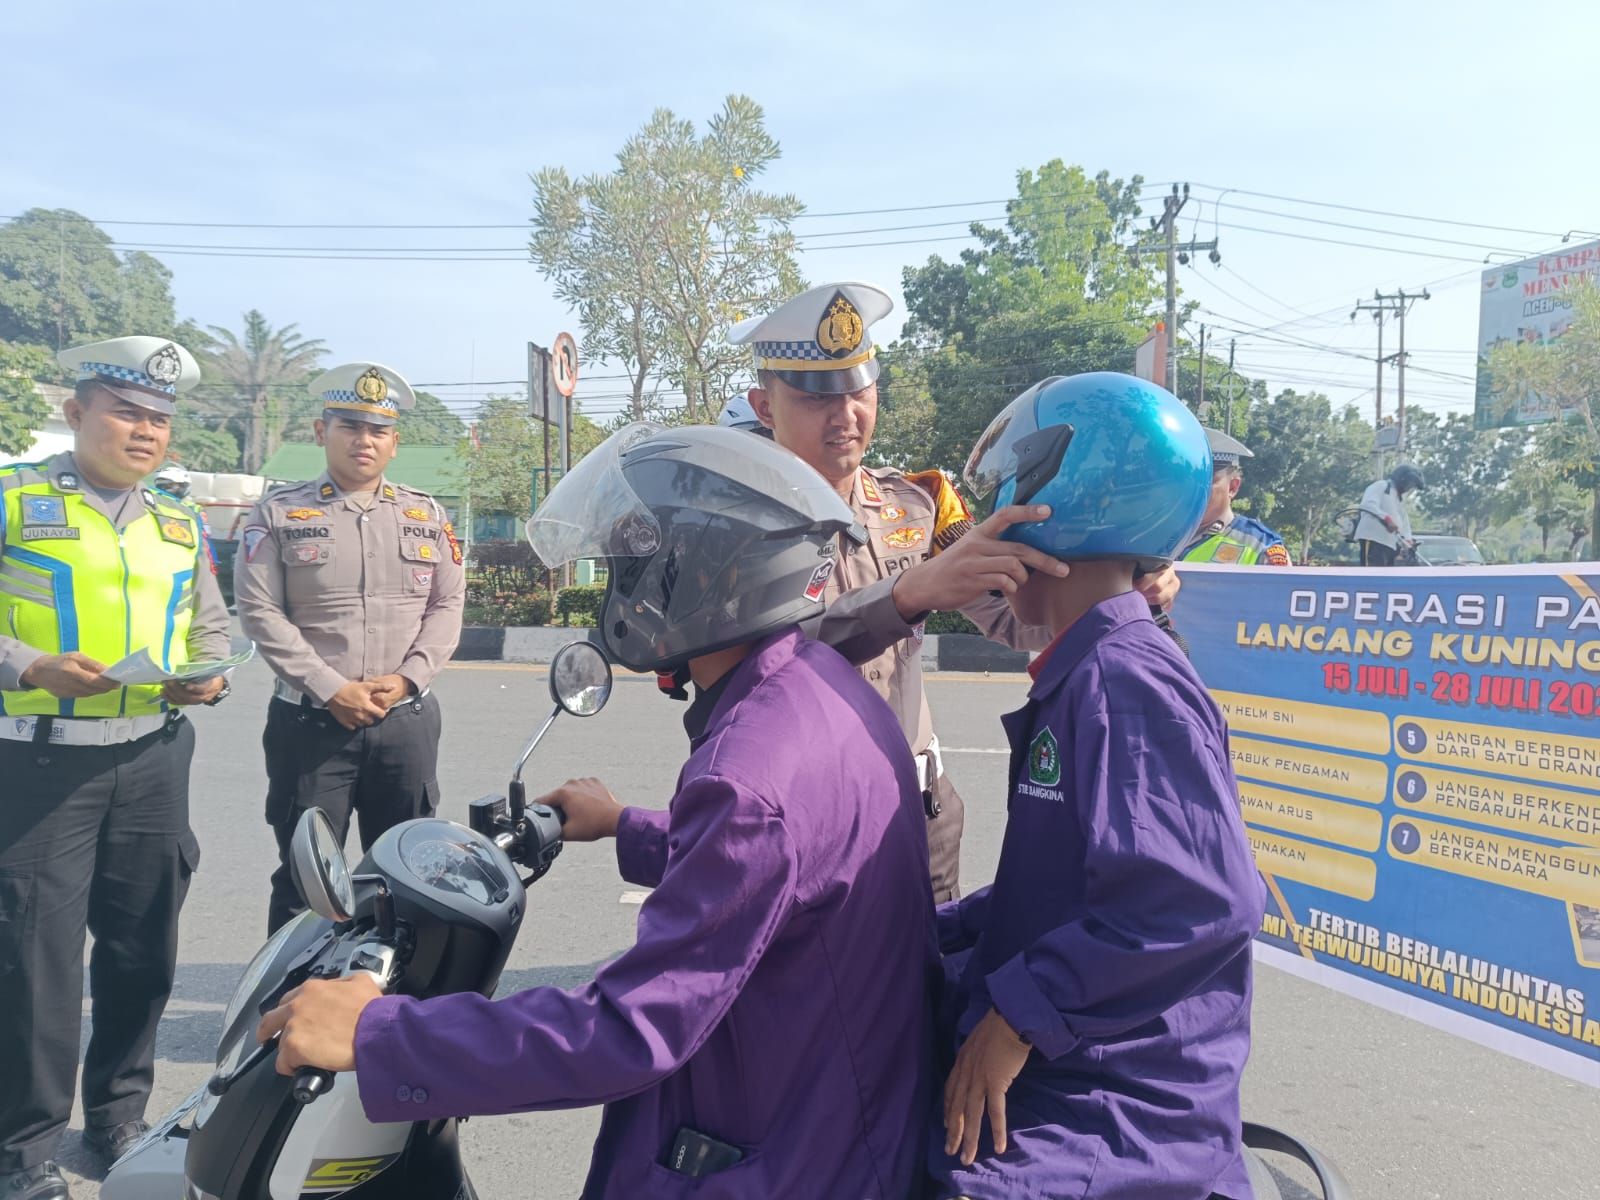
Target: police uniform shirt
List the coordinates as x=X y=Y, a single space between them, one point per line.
x=902 y=519
x=1240 y=533
x=337 y=587
x=208 y=629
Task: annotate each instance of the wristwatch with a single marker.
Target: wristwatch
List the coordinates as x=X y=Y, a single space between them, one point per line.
x=227 y=690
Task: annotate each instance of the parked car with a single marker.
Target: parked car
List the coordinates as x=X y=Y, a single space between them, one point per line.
x=1448 y=550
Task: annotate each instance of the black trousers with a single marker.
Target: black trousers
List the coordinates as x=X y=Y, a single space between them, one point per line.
x=92 y=837
x=386 y=773
x=1376 y=554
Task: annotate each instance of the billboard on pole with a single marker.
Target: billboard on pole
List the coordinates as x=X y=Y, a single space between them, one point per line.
x=1523 y=302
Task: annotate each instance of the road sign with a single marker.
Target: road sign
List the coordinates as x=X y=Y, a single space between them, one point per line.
x=564 y=364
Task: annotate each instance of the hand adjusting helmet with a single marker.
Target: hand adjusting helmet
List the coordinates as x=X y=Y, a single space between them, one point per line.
x=1124 y=466
x=710 y=537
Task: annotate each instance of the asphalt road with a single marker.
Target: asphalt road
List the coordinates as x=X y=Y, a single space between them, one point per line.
x=1409 y=1113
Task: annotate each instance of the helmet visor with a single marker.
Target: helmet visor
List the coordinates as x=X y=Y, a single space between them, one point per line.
x=995 y=455
x=592 y=512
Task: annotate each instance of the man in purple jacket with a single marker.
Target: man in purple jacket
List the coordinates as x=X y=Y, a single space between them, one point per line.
x=1103 y=1005
x=769 y=1033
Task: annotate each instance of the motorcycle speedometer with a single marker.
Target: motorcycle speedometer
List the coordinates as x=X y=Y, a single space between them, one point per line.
x=457 y=865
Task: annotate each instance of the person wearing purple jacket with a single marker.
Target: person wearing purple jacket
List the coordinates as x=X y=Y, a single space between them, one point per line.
x=770 y=1031
x=1101 y=985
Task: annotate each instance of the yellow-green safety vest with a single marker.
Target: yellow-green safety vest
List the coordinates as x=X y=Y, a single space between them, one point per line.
x=70 y=581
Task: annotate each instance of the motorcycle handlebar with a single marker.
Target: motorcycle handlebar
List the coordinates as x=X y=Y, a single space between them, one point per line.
x=311 y=1082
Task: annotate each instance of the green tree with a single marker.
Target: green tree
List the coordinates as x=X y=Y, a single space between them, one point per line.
x=661 y=254
x=61 y=283
x=252 y=378
x=430 y=423
x=1467 y=469
x=1566 y=371
x=200 y=445
x=1053 y=292
x=22 y=410
x=504 y=454
x=1310 y=462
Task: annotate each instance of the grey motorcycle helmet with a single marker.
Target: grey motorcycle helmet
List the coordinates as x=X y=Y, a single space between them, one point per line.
x=1407 y=478
x=711 y=538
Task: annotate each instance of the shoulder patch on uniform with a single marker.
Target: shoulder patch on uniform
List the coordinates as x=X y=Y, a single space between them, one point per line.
x=1277 y=555
x=951 y=517
x=251 y=538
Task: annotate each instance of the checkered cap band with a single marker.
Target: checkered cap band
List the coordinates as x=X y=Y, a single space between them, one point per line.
x=93 y=370
x=792 y=350
x=337 y=396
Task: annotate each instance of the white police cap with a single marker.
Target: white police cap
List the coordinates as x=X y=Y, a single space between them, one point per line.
x=820 y=340
x=364 y=391
x=147 y=371
x=1226 y=451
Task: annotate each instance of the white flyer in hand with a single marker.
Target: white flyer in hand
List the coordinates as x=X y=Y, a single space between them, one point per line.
x=141 y=667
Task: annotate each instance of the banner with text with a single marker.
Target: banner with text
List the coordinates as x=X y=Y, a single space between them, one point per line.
x=1418 y=754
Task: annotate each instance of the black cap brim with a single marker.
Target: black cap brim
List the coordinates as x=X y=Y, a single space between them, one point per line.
x=832 y=383
x=159 y=402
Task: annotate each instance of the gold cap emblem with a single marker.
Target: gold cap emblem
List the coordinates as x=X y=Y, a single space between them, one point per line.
x=841 y=329
x=372 y=386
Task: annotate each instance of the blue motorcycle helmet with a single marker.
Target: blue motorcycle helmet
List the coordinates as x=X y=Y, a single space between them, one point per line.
x=1124 y=466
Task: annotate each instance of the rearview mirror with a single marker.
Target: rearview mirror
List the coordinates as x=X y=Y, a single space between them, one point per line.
x=580 y=679
x=316 y=860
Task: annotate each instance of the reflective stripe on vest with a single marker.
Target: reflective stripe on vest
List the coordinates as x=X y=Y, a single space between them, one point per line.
x=70 y=581
x=1241 y=548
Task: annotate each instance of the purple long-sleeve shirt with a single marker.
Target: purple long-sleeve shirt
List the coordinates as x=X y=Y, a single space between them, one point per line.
x=777 y=996
x=1116 y=936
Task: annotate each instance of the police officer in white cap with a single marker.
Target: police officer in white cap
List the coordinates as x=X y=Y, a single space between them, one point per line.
x=1225 y=536
x=94 y=820
x=352 y=588
x=816 y=390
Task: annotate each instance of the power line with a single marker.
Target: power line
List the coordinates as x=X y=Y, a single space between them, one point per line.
x=1378 y=212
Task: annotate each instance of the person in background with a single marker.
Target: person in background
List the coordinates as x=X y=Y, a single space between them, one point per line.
x=94 y=819
x=1384 y=526
x=1225 y=536
x=917 y=549
x=353 y=589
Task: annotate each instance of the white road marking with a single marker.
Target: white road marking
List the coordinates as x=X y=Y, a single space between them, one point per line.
x=972 y=750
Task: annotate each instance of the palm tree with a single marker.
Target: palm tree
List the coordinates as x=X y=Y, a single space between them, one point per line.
x=259 y=367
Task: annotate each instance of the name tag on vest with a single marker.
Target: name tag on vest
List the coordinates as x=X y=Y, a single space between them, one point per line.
x=32 y=533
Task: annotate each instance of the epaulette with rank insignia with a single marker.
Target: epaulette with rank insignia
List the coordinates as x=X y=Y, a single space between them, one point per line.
x=951 y=519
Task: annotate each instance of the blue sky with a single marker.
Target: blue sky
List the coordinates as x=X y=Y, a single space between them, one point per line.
x=407 y=113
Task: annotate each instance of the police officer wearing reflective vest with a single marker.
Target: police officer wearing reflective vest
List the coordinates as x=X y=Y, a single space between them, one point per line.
x=816 y=389
x=352 y=588
x=94 y=824
x=1225 y=536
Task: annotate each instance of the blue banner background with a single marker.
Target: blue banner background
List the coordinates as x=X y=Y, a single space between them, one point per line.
x=1504 y=927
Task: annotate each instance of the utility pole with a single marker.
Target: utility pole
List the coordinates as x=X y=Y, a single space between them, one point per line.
x=1165 y=238
x=1227 y=409
x=1200 y=403
x=1399 y=303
